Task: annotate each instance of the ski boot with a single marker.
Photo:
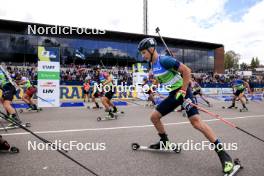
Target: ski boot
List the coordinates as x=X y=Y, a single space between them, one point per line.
x=110 y=114
x=226 y=161
x=115 y=109
x=244 y=109
x=34 y=107
x=209 y=104
x=164 y=141
x=14 y=118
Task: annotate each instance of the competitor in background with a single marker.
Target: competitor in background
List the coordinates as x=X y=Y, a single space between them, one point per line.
x=94 y=94
x=30 y=90
x=239 y=87
x=197 y=90
x=148 y=88
x=106 y=82
x=8 y=91
x=168 y=70
x=87 y=90
x=251 y=90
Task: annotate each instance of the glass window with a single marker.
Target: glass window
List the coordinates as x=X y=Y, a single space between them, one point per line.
x=4 y=42
x=23 y=48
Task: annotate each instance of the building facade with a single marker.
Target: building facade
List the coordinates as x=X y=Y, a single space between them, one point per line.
x=109 y=48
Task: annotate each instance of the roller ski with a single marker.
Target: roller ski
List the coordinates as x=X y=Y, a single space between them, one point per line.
x=229 y=107
x=13 y=119
x=13 y=126
x=6 y=148
x=176 y=148
x=94 y=107
x=164 y=145
x=109 y=116
x=30 y=110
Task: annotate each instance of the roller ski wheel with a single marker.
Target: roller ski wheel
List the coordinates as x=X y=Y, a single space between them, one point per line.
x=237 y=167
x=99 y=118
x=27 y=125
x=14 y=149
x=20 y=111
x=135 y=146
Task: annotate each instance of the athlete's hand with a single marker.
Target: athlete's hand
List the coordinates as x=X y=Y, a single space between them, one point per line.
x=180 y=93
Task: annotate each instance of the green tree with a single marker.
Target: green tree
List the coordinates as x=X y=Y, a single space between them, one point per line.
x=231 y=60
x=257 y=62
x=253 y=63
x=243 y=66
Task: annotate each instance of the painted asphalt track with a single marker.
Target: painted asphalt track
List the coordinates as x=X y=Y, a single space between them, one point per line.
x=80 y=124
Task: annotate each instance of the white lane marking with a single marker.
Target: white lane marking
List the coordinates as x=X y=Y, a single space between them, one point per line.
x=125 y=127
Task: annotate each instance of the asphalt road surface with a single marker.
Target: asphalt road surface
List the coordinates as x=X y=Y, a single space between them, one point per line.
x=108 y=143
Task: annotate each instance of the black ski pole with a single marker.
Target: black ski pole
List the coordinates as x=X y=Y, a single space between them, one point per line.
x=157 y=31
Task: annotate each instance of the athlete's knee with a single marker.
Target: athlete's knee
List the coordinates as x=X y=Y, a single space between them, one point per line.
x=196 y=122
x=155 y=117
x=104 y=99
x=6 y=103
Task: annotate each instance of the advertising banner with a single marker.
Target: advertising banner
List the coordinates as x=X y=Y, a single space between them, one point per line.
x=48 y=77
